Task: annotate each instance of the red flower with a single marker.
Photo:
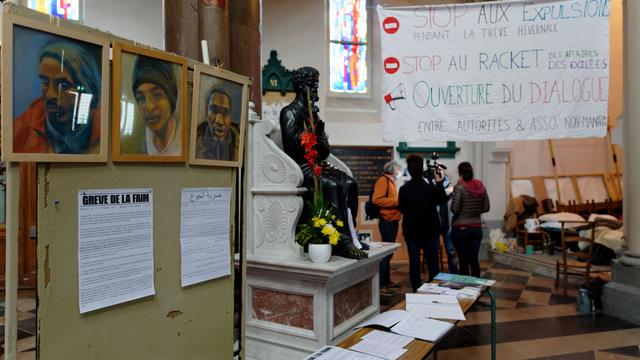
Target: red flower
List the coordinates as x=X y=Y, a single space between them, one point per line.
x=311 y=156
x=308 y=140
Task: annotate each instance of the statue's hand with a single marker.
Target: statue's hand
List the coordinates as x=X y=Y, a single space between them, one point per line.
x=355 y=253
x=348 y=250
x=327 y=168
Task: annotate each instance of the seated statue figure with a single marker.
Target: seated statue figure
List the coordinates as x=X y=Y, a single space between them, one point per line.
x=338 y=188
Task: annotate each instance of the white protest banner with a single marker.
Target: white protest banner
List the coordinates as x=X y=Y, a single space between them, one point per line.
x=510 y=70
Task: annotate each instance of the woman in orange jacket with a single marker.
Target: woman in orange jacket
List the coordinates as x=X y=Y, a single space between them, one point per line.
x=385 y=195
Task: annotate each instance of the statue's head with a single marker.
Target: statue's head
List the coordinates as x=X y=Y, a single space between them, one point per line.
x=306 y=78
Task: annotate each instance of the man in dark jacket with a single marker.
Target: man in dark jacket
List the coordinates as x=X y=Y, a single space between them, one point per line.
x=418 y=202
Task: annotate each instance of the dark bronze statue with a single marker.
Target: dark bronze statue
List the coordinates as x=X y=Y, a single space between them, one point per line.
x=338 y=188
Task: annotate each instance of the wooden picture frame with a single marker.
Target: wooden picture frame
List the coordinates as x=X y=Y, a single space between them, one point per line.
x=58 y=110
x=149 y=109
x=218 y=117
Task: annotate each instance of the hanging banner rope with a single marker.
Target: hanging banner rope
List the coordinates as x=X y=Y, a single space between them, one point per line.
x=509 y=70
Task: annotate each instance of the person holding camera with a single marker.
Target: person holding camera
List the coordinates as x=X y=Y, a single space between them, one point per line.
x=385 y=196
x=443 y=211
x=469 y=200
x=418 y=201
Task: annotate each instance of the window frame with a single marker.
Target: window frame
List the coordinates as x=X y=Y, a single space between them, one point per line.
x=328 y=42
x=81 y=5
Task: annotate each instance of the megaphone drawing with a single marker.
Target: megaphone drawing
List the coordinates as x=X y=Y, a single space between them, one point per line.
x=396 y=94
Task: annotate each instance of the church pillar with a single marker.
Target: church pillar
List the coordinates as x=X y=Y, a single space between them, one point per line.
x=622 y=294
x=213 y=26
x=631 y=127
x=244 y=45
x=181 y=28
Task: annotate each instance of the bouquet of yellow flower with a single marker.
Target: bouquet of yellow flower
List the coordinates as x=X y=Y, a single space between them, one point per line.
x=323 y=226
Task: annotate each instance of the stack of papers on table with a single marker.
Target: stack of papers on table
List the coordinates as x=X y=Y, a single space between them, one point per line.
x=432 y=288
x=422 y=328
x=404 y=323
x=383 y=344
x=338 y=353
x=435 y=306
x=467 y=292
x=464 y=279
x=385 y=319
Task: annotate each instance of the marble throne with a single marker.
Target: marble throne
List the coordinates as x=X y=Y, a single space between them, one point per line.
x=294 y=306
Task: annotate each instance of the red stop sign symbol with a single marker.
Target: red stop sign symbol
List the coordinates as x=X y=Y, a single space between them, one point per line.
x=390 y=25
x=391 y=65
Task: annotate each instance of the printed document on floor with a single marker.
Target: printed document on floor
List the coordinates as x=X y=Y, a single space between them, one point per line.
x=115 y=246
x=205 y=218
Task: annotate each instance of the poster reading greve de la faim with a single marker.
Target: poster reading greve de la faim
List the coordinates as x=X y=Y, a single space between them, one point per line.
x=509 y=70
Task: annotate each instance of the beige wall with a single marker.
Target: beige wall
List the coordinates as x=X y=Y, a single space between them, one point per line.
x=579 y=156
x=573 y=156
x=139 y=20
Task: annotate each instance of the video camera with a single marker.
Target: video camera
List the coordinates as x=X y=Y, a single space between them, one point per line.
x=433 y=166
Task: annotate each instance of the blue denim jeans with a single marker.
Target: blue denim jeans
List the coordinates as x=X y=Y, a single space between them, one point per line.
x=388 y=231
x=467 y=244
x=429 y=248
x=452 y=260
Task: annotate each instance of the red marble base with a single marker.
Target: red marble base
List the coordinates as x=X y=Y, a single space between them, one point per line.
x=283 y=308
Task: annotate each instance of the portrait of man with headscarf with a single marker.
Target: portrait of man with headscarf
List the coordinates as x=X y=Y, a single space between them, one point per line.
x=64 y=117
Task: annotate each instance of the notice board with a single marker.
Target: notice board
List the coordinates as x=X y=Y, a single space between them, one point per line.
x=366 y=163
x=176 y=322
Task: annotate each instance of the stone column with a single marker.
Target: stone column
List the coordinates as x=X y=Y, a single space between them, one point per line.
x=496 y=179
x=213 y=26
x=244 y=44
x=631 y=127
x=622 y=294
x=181 y=28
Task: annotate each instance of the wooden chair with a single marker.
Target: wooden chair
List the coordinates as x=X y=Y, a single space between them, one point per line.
x=537 y=237
x=571 y=262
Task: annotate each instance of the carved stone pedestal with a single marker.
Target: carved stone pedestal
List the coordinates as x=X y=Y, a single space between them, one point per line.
x=295 y=307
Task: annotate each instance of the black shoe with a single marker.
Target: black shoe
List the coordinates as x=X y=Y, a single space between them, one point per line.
x=386 y=292
x=394 y=285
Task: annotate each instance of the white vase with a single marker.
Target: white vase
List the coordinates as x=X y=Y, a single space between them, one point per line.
x=320 y=253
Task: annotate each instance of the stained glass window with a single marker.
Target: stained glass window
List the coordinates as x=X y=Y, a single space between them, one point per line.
x=65 y=9
x=348 y=46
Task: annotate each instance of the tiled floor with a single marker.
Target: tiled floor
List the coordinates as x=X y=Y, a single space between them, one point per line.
x=534 y=321
x=26 y=344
